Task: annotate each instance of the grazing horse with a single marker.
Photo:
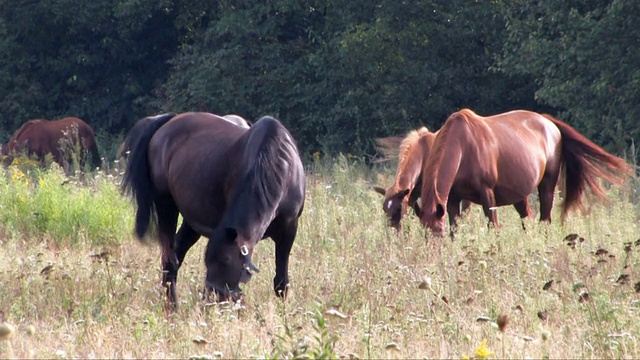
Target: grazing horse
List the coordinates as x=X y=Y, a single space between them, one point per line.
x=501 y=159
x=125 y=147
x=39 y=137
x=414 y=149
x=232 y=185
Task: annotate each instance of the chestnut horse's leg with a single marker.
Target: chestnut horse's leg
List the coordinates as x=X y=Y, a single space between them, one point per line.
x=488 y=201
x=464 y=205
x=523 y=209
x=546 y=190
x=283 y=238
x=167 y=213
x=453 y=211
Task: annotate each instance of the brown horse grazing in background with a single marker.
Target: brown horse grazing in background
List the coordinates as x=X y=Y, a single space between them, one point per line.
x=501 y=159
x=414 y=149
x=40 y=137
x=232 y=185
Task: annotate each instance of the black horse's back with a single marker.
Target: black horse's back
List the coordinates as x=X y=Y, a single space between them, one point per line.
x=135 y=132
x=136 y=179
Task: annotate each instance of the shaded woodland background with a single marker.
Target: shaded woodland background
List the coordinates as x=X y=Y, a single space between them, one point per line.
x=338 y=73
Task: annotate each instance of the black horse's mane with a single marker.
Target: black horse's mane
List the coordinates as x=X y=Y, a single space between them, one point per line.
x=270 y=153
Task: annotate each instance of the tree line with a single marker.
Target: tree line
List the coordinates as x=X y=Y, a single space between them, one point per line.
x=338 y=73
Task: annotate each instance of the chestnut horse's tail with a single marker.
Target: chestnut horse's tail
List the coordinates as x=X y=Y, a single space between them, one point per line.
x=136 y=179
x=583 y=163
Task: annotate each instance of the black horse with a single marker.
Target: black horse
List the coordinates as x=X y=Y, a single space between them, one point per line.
x=231 y=184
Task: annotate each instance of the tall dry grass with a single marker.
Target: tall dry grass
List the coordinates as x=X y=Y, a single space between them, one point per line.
x=358 y=289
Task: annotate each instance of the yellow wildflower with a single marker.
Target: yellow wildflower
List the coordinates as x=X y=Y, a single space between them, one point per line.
x=482 y=352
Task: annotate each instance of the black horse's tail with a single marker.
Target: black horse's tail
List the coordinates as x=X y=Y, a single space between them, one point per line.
x=137 y=179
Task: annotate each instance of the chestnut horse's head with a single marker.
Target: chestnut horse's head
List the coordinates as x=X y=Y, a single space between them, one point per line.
x=395 y=205
x=412 y=150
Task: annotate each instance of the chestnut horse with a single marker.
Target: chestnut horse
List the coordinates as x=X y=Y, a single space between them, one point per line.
x=40 y=137
x=501 y=159
x=405 y=191
x=231 y=184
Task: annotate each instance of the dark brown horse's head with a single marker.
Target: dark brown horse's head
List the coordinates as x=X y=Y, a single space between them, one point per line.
x=228 y=261
x=395 y=205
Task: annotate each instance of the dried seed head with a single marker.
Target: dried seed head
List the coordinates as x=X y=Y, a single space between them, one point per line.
x=6 y=331
x=503 y=321
x=545 y=335
x=31 y=330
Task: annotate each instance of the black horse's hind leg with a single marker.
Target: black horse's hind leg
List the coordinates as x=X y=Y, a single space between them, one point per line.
x=167 y=222
x=284 y=241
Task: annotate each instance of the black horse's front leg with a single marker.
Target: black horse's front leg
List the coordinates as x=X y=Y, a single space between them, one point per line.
x=284 y=241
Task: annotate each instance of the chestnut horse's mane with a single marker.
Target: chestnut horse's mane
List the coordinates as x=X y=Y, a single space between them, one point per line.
x=407 y=146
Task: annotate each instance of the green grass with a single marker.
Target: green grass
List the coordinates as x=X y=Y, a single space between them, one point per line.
x=358 y=289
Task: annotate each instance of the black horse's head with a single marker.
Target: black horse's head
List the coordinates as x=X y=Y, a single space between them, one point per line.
x=228 y=261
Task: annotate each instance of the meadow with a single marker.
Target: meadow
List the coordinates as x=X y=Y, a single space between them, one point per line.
x=75 y=283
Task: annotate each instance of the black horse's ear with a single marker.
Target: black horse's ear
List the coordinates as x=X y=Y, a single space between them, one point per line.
x=404 y=193
x=380 y=190
x=230 y=234
x=439 y=211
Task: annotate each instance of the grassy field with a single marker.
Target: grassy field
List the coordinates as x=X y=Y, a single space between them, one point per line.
x=74 y=283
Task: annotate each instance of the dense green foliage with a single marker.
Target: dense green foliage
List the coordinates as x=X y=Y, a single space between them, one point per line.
x=337 y=73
